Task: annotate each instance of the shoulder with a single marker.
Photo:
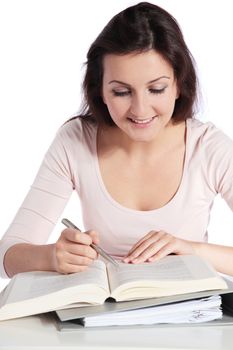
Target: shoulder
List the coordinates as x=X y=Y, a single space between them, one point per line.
x=208 y=136
x=212 y=149
x=76 y=134
x=74 y=137
x=77 y=129
x=70 y=146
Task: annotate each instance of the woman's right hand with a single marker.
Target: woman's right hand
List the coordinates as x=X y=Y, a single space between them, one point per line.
x=72 y=251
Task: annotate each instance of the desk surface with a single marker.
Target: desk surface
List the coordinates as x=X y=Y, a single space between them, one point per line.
x=41 y=332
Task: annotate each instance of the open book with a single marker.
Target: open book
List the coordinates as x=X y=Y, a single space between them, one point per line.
x=38 y=292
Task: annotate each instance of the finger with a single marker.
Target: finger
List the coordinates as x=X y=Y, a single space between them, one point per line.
x=135 y=246
x=94 y=236
x=67 y=268
x=154 y=239
x=75 y=268
x=80 y=260
x=76 y=236
x=150 y=250
x=67 y=259
x=64 y=246
x=139 y=250
x=82 y=250
x=164 y=251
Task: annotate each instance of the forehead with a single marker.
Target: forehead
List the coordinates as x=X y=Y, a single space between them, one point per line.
x=146 y=65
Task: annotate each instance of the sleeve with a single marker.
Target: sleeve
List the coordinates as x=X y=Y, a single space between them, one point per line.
x=45 y=200
x=219 y=159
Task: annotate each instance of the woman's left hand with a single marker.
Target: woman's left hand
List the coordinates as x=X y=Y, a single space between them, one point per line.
x=156 y=245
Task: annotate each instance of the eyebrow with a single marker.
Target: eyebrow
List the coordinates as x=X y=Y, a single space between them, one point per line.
x=149 y=82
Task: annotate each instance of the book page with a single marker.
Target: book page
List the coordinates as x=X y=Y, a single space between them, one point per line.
x=171 y=271
x=31 y=285
x=172 y=267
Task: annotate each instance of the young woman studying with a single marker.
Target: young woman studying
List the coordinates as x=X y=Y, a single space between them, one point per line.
x=146 y=171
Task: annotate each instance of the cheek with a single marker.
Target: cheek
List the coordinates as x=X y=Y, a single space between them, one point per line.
x=117 y=108
x=166 y=105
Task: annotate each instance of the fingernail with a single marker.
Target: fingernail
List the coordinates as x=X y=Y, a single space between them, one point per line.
x=152 y=259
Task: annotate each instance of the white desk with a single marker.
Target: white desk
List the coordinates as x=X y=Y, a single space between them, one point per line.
x=40 y=332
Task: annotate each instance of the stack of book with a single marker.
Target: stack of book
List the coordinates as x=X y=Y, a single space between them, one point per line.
x=175 y=289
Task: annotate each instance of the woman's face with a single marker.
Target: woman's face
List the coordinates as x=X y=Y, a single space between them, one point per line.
x=140 y=93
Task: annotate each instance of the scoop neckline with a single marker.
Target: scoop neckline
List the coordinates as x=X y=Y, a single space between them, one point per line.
x=131 y=210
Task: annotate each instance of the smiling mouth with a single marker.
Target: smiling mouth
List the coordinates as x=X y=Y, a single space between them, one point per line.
x=142 y=121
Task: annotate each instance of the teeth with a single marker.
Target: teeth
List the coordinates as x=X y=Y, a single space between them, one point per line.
x=141 y=121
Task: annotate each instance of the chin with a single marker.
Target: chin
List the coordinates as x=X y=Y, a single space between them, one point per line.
x=144 y=135
x=142 y=138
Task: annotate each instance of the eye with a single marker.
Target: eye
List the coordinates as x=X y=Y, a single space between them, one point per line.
x=121 y=93
x=157 y=91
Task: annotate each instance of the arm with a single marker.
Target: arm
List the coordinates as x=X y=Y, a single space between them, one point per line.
x=23 y=246
x=71 y=253
x=24 y=257
x=221 y=257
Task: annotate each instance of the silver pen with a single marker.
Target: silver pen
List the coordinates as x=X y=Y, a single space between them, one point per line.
x=99 y=250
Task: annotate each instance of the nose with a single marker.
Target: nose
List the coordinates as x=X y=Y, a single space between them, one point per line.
x=141 y=107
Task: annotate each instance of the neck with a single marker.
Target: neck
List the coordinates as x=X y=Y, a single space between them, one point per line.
x=171 y=136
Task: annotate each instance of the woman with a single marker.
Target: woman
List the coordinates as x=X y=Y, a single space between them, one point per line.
x=146 y=171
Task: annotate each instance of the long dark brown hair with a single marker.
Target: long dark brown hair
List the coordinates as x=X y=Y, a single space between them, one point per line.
x=140 y=28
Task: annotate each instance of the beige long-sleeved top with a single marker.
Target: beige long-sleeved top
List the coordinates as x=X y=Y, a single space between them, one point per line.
x=71 y=163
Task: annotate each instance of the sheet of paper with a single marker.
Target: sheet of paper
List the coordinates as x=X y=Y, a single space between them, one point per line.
x=194 y=311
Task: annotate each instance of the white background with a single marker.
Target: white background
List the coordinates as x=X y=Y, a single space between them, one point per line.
x=43 y=45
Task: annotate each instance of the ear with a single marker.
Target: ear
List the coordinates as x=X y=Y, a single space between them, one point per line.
x=177 y=93
x=177 y=89
x=103 y=98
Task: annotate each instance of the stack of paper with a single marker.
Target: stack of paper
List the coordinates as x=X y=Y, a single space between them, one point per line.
x=194 y=311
